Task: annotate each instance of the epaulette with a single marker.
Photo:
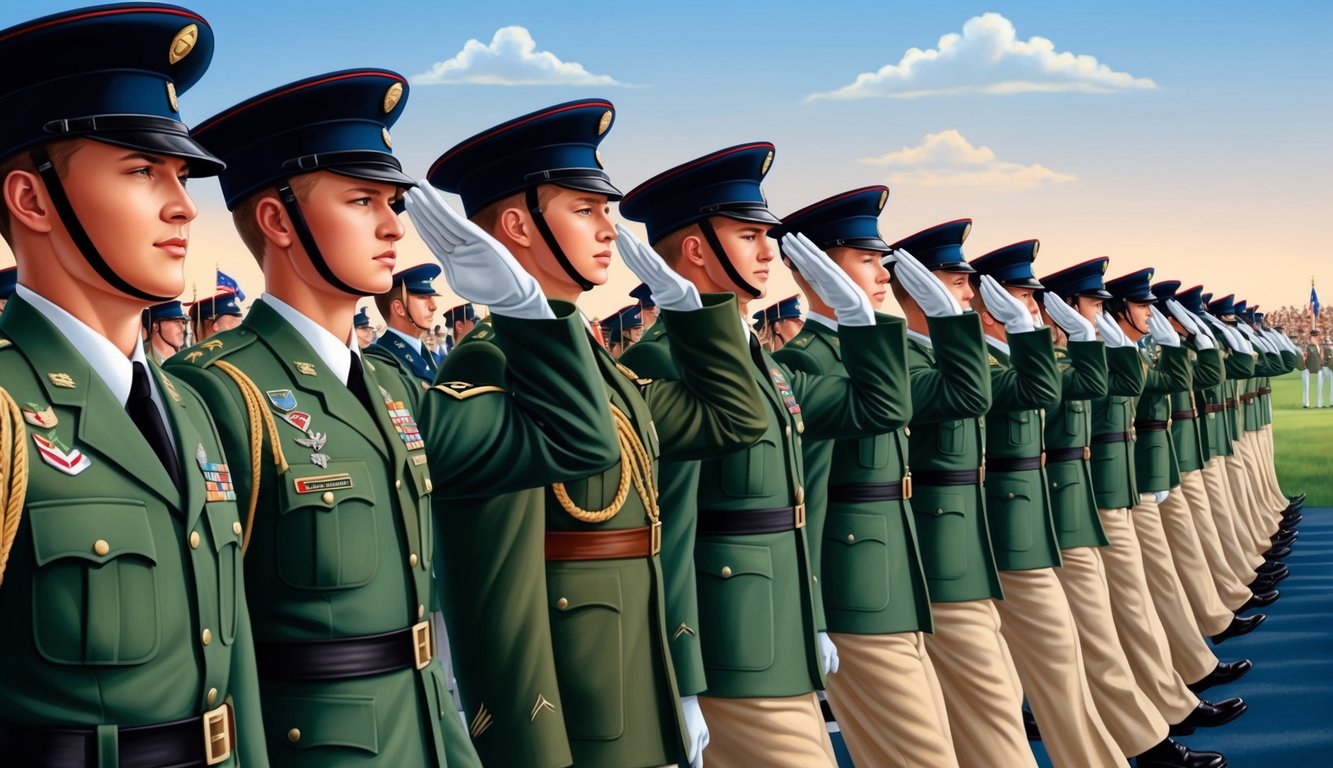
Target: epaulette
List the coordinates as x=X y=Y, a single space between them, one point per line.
x=632 y=376
x=462 y=390
x=5 y=343
x=484 y=331
x=993 y=362
x=656 y=332
x=1061 y=353
x=801 y=341
x=215 y=348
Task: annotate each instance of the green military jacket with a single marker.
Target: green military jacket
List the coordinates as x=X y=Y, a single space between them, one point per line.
x=1188 y=426
x=342 y=540
x=577 y=665
x=1017 y=507
x=123 y=602
x=1313 y=360
x=1155 y=466
x=1239 y=368
x=1113 y=480
x=951 y=392
x=864 y=552
x=758 y=608
x=1083 y=373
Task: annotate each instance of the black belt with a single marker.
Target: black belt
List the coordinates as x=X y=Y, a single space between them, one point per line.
x=1111 y=437
x=743 y=522
x=855 y=492
x=1016 y=465
x=196 y=741
x=1150 y=425
x=947 y=476
x=1182 y=415
x=347 y=657
x=1058 y=455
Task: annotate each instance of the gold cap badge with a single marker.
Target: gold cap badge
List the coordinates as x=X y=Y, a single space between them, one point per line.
x=883 y=198
x=183 y=43
x=597 y=155
x=171 y=97
x=388 y=140
x=768 y=160
x=605 y=122
x=392 y=97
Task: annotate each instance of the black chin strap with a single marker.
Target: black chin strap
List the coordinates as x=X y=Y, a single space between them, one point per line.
x=288 y=198
x=56 y=191
x=538 y=218
x=407 y=308
x=710 y=235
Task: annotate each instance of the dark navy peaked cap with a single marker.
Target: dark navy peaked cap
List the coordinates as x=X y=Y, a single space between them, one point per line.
x=1083 y=279
x=940 y=247
x=335 y=122
x=1011 y=265
x=459 y=313
x=110 y=73
x=1165 y=289
x=167 y=310
x=724 y=183
x=644 y=294
x=760 y=318
x=1225 y=305
x=1238 y=308
x=1133 y=287
x=9 y=280
x=361 y=319
x=1191 y=298
x=850 y=220
x=787 y=309
x=624 y=319
x=417 y=279
x=216 y=306
x=556 y=145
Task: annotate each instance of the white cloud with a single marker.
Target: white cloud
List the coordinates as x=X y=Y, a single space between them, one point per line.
x=948 y=159
x=511 y=58
x=987 y=58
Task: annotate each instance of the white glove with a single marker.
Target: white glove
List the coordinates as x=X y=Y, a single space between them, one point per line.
x=1075 y=326
x=475 y=265
x=670 y=290
x=922 y=285
x=1233 y=339
x=850 y=303
x=1004 y=306
x=1285 y=342
x=694 y=726
x=1207 y=329
x=1190 y=323
x=1161 y=329
x=1161 y=496
x=828 y=653
x=1111 y=332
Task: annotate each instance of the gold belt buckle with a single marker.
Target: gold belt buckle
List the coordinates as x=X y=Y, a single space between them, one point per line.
x=1043 y=458
x=655 y=538
x=217 y=734
x=907 y=486
x=800 y=515
x=1087 y=453
x=981 y=474
x=421 y=644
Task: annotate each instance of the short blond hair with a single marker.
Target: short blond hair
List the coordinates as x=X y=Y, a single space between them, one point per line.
x=488 y=218
x=671 y=246
x=243 y=216
x=59 y=152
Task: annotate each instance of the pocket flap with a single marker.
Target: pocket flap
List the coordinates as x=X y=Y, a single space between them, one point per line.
x=97 y=530
x=325 y=487
x=724 y=561
x=851 y=528
x=325 y=721
x=571 y=590
x=931 y=501
x=223 y=523
x=1001 y=487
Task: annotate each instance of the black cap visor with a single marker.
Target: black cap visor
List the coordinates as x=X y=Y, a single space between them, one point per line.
x=957 y=266
x=202 y=164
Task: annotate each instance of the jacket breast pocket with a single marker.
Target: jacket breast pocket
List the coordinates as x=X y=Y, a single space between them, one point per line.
x=338 y=726
x=951 y=437
x=94 y=591
x=755 y=472
x=224 y=526
x=735 y=605
x=1023 y=427
x=856 y=562
x=1010 y=509
x=943 y=530
x=585 y=608
x=874 y=451
x=1076 y=421
x=327 y=537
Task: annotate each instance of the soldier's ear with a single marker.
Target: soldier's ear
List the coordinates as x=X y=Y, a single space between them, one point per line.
x=514 y=226
x=692 y=249
x=272 y=221
x=27 y=201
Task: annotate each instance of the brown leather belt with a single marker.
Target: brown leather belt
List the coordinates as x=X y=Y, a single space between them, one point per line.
x=196 y=741
x=860 y=492
x=622 y=544
x=346 y=658
x=1182 y=415
x=1214 y=408
x=1265 y=391
x=948 y=476
x=1150 y=425
x=1248 y=397
x=1111 y=437
x=1057 y=455
x=745 y=522
x=1021 y=464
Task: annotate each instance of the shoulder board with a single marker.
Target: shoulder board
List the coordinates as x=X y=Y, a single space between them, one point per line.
x=801 y=341
x=1061 y=353
x=483 y=332
x=632 y=376
x=215 y=348
x=462 y=390
x=5 y=343
x=656 y=332
x=993 y=362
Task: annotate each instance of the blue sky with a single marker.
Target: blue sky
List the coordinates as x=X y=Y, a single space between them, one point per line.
x=1206 y=148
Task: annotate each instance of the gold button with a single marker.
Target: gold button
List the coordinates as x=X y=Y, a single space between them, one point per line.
x=294 y=735
x=800 y=495
x=939 y=511
x=206 y=636
x=562 y=603
x=212 y=695
x=726 y=571
x=327 y=498
x=194 y=539
x=851 y=538
x=800 y=427
x=907 y=431
x=100 y=547
x=816 y=579
x=1055 y=485
x=1010 y=495
x=429 y=487
x=787 y=431
x=398 y=484
x=236 y=528
x=421 y=611
x=412 y=560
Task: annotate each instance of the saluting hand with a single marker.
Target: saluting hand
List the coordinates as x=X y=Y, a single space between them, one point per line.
x=1005 y=307
x=930 y=294
x=1111 y=332
x=834 y=286
x=1161 y=329
x=1074 y=325
x=670 y=290
x=1190 y=323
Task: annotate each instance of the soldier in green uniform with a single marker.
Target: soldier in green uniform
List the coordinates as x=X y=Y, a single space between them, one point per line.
x=562 y=590
x=407 y=309
x=336 y=463
x=1282 y=358
x=1035 y=616
x=760 y=621
x=859 y=521
x=213 y=315
x=1311 y=367
x=126 y=636
x=165 y=324
x=648 y=309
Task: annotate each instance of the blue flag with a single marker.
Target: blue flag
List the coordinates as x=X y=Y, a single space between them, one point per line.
x=228 y=283
x=1314 y=300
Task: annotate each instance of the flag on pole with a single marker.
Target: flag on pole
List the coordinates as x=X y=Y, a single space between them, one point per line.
x=228 y=283
x=1314 y=300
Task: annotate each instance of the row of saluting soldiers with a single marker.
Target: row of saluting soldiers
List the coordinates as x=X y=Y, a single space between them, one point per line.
x=233 y=558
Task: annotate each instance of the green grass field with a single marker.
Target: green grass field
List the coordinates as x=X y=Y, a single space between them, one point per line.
x=1302 y=441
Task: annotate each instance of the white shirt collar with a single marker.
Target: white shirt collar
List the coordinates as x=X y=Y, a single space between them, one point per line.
x=336 y=353
x=1000 y=345
x=920 y=337
x=415 y=344
x=827 y=322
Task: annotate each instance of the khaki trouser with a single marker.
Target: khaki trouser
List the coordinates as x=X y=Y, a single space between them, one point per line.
x=1137 y=622
x=1129 y=715
x=1230 y=589
x=1270 y=466
x=1038 y=626
x=1254 y=463
x=888 y=702
x=981 y=688
x=1241 y=560
x=1192 y=567
x=1268 y=511
x=784 y=732
x=1257 y=541
x=1190 y=655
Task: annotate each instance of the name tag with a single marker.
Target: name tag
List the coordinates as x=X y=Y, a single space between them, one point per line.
x=323 y=483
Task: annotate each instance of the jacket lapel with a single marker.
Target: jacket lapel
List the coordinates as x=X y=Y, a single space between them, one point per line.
x=188 y=446
x=828 y=336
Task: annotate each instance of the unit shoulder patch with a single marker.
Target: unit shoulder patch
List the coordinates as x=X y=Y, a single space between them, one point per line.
x=462 y=390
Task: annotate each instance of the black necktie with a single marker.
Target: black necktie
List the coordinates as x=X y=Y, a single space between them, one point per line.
x=757 y=352
x=356 y=381
x=145 y=415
